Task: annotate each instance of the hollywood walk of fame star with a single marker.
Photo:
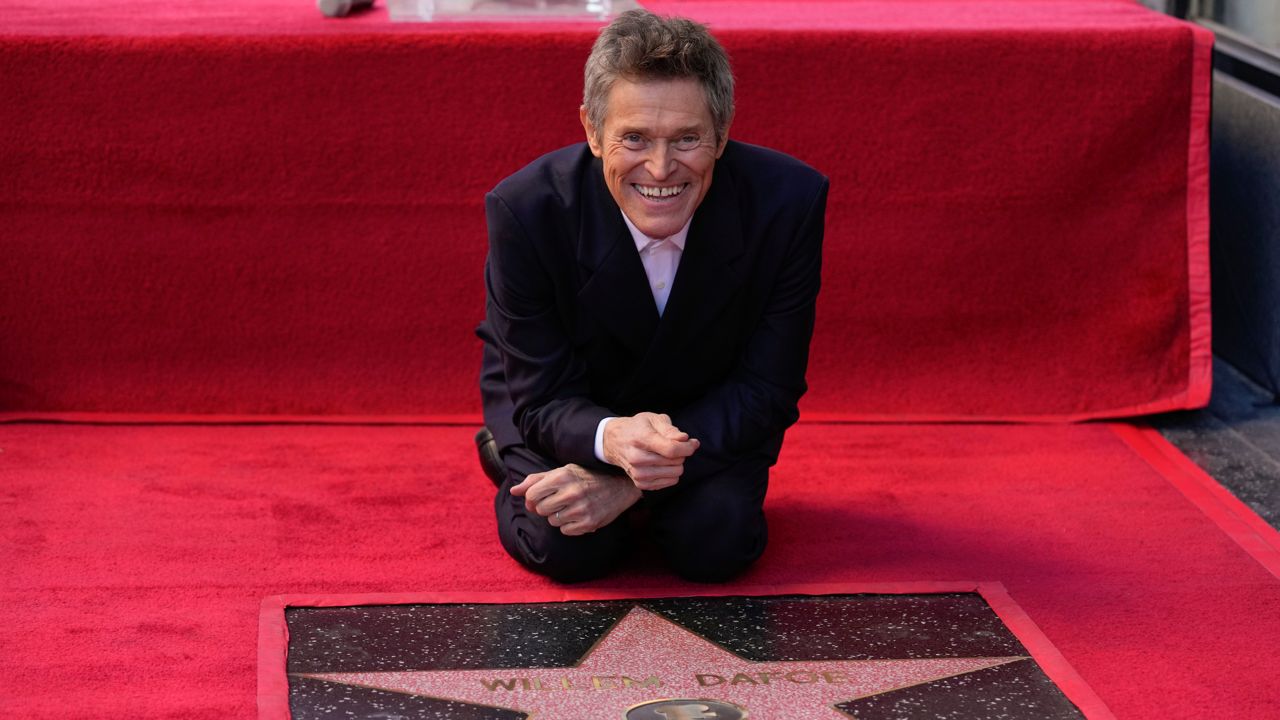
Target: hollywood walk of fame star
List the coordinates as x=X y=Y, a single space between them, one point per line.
x=645 y=657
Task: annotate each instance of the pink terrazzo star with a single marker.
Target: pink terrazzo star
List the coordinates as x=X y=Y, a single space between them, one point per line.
x=646 y=657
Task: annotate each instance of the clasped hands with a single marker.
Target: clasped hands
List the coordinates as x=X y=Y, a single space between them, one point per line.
x=646 y=446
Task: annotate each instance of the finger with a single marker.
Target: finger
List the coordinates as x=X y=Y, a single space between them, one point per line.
x=564 y=492
x=655 y=440
x=523 y=486
x=674 y=433
x=660 y=422
x=667 y=447
x=554 y=504
x=659 y=483
x=542 y=505
x=546 y=487
x=578 y=527
x=564 y=518
x=655 y=472
x=659 y=476
x=644 y=458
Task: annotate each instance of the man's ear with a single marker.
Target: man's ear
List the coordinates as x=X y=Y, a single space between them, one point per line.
x=593 y=138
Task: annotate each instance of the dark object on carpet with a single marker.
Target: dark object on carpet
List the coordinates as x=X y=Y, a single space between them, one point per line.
x=490 y=460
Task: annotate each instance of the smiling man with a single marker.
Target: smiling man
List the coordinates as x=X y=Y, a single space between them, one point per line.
x=646 y=329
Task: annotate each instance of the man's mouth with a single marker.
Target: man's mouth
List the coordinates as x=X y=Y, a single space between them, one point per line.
x=655 y=192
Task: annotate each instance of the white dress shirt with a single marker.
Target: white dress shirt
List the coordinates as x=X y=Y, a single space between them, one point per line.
x=661 y=259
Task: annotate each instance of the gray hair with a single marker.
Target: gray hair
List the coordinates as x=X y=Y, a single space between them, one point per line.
x=639 y=45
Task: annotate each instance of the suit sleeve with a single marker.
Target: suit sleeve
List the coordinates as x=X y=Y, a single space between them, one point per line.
x=760 y=398
x=546 y=380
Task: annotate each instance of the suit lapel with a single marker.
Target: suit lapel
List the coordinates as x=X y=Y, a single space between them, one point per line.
x=709 y=273
x=616 y=289
x=708 y=277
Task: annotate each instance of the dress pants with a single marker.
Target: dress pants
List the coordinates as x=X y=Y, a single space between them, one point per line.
x=707 y=528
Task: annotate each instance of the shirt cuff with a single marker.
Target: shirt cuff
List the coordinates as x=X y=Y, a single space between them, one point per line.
x=600 y=439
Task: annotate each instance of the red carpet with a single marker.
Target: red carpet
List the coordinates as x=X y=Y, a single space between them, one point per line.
x=135 y=558
x=239 y=208
x=243 y=208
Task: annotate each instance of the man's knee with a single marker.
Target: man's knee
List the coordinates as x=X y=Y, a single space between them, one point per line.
x=536 y=544
x=547 y=551
x=716 y=528
x=719 y=560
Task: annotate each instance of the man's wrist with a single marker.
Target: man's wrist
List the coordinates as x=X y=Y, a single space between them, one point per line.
x=599 y=447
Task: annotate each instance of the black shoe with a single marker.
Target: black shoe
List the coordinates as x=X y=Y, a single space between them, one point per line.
x=490 y=461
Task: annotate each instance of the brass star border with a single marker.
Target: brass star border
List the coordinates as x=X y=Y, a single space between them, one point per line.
x=645 y=657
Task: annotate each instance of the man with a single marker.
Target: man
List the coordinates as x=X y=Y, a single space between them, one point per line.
x=646 y=330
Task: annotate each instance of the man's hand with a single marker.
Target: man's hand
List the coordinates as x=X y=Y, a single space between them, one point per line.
x=577 y=500
x=649 y=448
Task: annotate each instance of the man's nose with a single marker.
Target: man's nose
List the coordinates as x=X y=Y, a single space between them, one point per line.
x=661 y=161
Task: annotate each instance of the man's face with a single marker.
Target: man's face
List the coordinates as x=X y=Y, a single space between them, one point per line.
x=659 y=147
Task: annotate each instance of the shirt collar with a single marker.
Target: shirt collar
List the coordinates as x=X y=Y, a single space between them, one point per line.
x=643 y=241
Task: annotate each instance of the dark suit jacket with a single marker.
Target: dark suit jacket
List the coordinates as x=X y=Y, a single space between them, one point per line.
x=572 y=334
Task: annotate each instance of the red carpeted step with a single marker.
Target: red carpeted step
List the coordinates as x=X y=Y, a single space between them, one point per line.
x=245 y=208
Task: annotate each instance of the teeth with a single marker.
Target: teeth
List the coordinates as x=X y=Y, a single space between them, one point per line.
x=659 y=192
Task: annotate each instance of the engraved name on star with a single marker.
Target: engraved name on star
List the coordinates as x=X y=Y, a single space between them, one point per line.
x=645 y=657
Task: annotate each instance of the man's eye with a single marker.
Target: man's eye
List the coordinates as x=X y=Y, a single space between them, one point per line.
x=687 y=142
x=633 y=141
